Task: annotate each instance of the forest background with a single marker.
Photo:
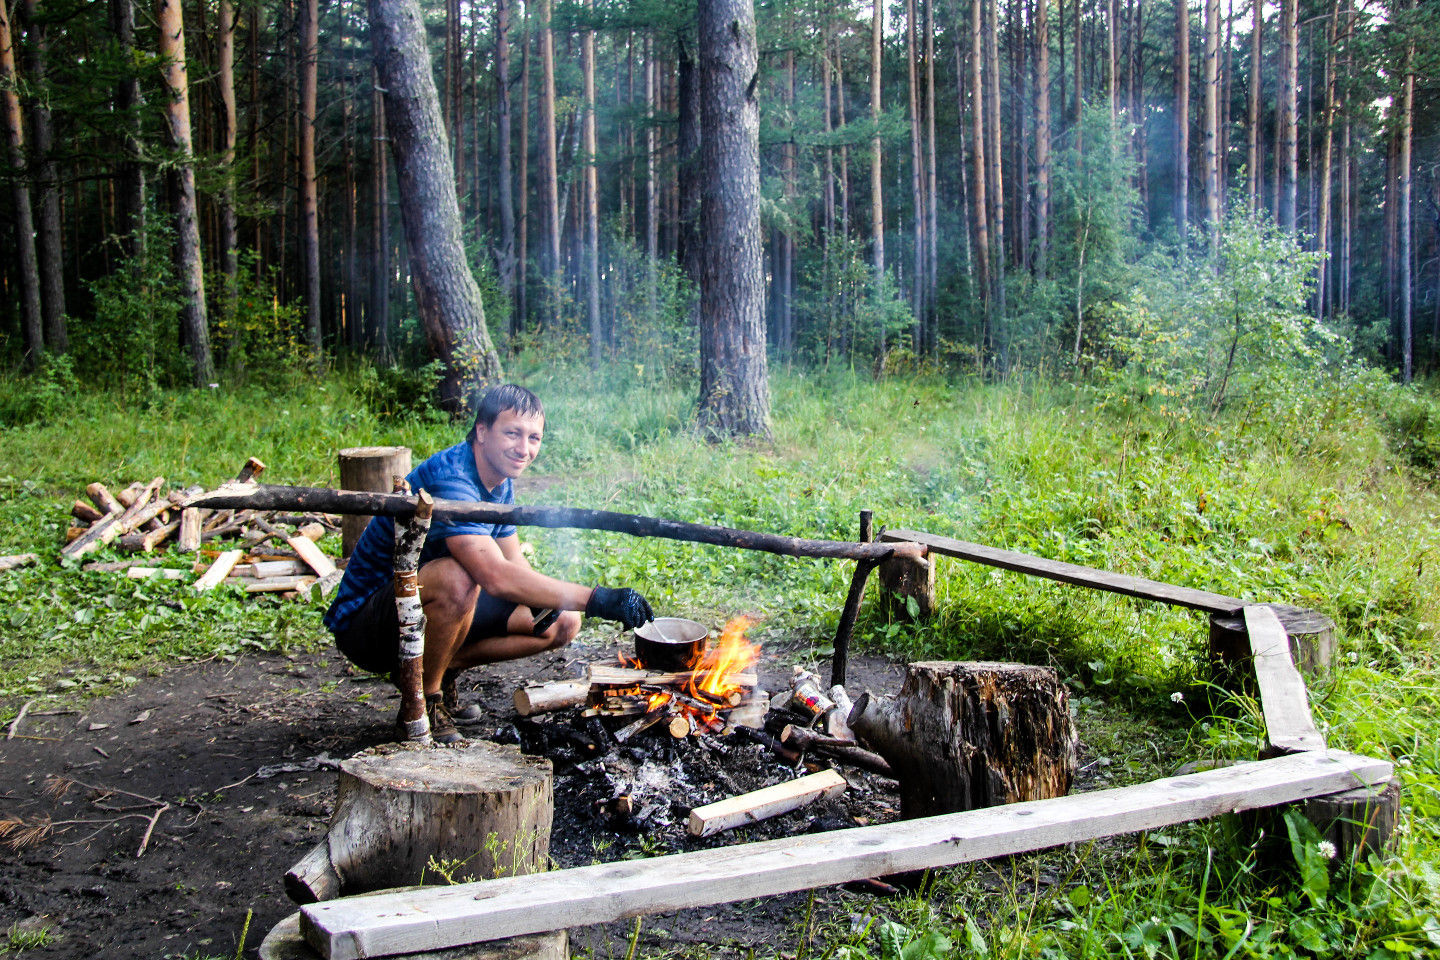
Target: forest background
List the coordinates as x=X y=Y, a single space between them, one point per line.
x=1141 y=285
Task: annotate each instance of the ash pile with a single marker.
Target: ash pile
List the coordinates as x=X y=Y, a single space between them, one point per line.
x=681 y=745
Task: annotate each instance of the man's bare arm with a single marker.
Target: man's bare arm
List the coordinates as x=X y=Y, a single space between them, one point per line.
x=485 y=560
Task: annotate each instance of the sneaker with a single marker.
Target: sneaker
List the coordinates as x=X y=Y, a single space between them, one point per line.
x=470 y=713
x=442 y=727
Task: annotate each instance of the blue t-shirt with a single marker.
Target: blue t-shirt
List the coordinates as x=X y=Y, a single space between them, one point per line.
x=448 y=475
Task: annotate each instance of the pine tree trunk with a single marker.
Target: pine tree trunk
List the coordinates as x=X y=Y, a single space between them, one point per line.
x=1332 y=36
x=189 y=269
x=844 y=149
x=592 y=200
x=1182 y=118
x=549 y=171
x=1407 y=256
x=1289 y=118
x=1212 y=123
x=49 y=248
x=32 y=324
x=450 y=309
x=379 y=314
x=734 y=392
x=505 y=249
x=932 y=207
x=309 y=192
x=877 y=186
x=917 y=182
x=982 y=194
x=1042 y=138
x=1253 y=160
x=229 y=235
x=786 y=247
x=994 y=154
x=1112 y=64
x=522 y=229
x=688 y=242
x=130 y=218
x=652 y=191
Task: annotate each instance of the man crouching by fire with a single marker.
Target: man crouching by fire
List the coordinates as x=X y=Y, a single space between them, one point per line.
x=478 y=591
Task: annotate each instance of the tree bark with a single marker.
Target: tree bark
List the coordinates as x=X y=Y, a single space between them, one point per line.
x=189 y=268
x=690 y=247
x=130 y=212
x=994 y=154
x=309 y=191
x=505 y=249
x=522 y=242
x=652 y=186
x=932 y=203
x=1182 y=119
x=734 y=392
x=592 y=200
x=446 y=294
x=229 y=236
x=1253 y=160
x=982 y=194
x=379 y=313
x=1042 y=137
x=877 y=186
x=1407 y=256
x=1212 y=123
x=1289 y=120
x=49 y=248
x=549 y=170
x=1322 y=235
x=917 y=182
x=32 y=325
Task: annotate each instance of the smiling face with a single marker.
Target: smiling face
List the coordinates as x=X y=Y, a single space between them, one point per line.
x=507 y=446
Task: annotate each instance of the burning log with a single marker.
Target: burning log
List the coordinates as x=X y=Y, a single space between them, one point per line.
x=960 y=736
x=763 y=804
x=402 y=804
x=551 y=696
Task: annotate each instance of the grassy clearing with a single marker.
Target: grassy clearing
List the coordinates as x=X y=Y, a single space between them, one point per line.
x=1309 y=502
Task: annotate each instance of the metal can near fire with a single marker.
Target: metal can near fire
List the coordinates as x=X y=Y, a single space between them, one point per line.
x=806 y=694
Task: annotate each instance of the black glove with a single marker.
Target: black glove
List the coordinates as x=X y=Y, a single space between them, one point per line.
x=623 y=605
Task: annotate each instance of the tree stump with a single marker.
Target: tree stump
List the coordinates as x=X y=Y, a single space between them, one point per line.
x=1360 y=821
x=372 y=469
x=1312 y=643
x=286 y=942
x=479 y=809
x=961 y=735
x=905 y=577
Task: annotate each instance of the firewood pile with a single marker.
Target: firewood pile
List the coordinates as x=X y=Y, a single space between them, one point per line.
x=263 y=551
x=650 y=733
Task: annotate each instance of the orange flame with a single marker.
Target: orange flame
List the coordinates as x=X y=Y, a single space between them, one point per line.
x=714 y=674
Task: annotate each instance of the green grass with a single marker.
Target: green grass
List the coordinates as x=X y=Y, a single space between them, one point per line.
x=1317 y=501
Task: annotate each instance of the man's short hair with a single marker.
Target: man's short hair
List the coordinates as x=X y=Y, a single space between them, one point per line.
x=509 y=396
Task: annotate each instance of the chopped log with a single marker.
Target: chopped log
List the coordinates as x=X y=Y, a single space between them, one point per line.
x=313 y=879
x=85 y=513
x=286 y=942
x=113 y=566
x=546 y=697
x=188 y=539
x=438 y=917
x=763 y=804
x=649 y=720
x=372 y=469
x=17 y=560
x=218 y=570
x=102 y=498
x=845 y=751
x=906 y=577
x=962 y=735
x=73 y=533
x=399 y=805
x=163 y=573
x=144 y=542
x=681 y=726
x=1312 y=644
x=276 y=584
x=1359 y=822
x=410 y=536
x=1289 y=727
x=606 y=675
x=312 y=555
x=130 y=494
x=252 y=469
x=264 y=497
x=280 y=568
x=101 y=533
x=311 y=531
x=131 y=518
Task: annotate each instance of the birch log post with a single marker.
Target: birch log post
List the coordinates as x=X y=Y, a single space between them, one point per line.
x=964 y=735
x=400 y=805
x=412 y=723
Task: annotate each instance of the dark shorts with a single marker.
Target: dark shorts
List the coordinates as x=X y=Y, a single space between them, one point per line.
x=371 y=640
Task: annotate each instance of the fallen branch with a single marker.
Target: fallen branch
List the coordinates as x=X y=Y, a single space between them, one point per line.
x=150 y=828
x=15 y=724
x=16 y=560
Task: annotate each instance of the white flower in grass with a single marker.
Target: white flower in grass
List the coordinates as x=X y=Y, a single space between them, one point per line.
x=1327 y=849
x=1177 y=697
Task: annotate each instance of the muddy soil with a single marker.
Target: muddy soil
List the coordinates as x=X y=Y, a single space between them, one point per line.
x=231 y=747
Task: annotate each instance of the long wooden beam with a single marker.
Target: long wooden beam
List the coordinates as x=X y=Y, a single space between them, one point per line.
x=234 y=496
x=1071 y=573
x=435 y=918
x=1289 y=727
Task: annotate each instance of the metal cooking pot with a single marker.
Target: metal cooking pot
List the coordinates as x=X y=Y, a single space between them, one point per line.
x=680 y=646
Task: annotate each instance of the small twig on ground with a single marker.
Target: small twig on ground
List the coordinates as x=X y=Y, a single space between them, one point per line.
x=145 y=840
x=58 y=785
x=15 y=724
x=229 y=785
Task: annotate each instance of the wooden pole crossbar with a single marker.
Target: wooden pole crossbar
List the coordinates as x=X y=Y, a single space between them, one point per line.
x=1071 y=573
x=325 y=500
x=434 y=918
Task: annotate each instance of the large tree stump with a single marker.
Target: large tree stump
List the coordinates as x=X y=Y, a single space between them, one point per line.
x=961 y=736
x=1312 y=643
x=479 y=809
x=372 y=469
x=905 y=577
x=286 y=942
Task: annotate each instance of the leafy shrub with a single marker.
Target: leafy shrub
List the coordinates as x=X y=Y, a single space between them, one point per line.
x=41 y=396
x=402 y=393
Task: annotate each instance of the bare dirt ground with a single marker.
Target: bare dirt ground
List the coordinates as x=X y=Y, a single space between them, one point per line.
x=206 y=739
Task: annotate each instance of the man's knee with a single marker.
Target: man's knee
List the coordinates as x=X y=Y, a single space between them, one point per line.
x=563 y=630
x=446 y=588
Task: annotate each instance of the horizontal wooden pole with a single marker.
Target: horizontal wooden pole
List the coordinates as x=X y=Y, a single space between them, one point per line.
x=435 y=918
x=324 y=500
x=1289 y=726
x=1071 y=573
